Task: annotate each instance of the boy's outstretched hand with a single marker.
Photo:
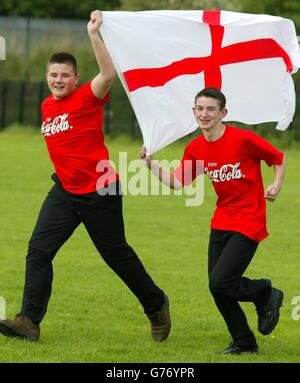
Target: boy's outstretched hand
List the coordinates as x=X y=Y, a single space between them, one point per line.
x=96 y=20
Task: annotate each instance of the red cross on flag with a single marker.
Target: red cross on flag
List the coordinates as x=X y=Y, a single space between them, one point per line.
x=164 y=58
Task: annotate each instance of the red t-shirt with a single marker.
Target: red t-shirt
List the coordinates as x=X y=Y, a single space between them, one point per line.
x=233 y=164
x=72 y=128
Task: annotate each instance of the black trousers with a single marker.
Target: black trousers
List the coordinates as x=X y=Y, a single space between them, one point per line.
x=60 y=215
x=229 y=255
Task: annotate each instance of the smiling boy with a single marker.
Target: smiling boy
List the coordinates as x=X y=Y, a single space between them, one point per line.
x=232 y=160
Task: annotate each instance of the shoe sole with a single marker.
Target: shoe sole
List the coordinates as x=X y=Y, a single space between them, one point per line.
x=11 y=333
x=276 y=318
x=237 y=353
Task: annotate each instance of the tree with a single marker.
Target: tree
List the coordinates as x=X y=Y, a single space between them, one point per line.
x=67 y=9
x=285 y=8
x=143 y=5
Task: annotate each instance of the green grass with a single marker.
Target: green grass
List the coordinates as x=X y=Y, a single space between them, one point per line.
x=92 y=316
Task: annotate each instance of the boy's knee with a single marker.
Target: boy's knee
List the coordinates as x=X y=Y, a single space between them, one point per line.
x=39 y=255
x=219 y=287
x=213 y=285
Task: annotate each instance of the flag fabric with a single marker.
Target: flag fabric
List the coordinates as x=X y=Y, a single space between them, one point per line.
x=164 y=58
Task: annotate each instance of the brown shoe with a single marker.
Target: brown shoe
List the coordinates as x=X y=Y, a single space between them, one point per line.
x=161 y=322
x=20 y=327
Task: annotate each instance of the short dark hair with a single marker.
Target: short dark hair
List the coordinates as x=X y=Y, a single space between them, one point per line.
x=213 y=93
x=63 y=58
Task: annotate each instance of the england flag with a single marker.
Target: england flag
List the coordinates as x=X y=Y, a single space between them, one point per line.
x=164 y=58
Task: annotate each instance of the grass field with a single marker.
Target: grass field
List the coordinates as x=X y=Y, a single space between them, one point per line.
x=92 y=316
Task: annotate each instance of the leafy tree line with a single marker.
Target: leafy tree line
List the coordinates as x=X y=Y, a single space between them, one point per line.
x=74 y=9
x=31 y=66
x=65 y=9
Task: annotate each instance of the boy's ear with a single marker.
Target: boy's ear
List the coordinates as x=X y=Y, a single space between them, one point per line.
x=224 y=112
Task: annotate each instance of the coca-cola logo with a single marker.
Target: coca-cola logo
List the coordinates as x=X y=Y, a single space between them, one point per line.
x=225 y=173
x=57 y=125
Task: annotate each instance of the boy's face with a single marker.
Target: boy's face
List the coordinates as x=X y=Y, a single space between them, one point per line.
x=61 y=79
x=208 y=113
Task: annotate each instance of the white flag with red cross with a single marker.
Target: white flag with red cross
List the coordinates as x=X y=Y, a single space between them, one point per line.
x=164 y=58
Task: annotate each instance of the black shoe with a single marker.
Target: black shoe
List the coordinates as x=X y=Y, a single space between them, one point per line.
x=233 y=349
x=268 y=315
x=161 y=322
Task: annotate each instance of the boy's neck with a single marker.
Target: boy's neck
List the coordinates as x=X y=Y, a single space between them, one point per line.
x=214 y=133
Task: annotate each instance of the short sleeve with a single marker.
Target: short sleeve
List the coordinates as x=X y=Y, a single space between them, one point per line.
x=261 y=149
x=189 y=168
x=89 y=96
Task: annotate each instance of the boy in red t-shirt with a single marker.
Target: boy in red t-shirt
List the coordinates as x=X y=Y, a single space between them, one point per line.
x=87 y=190
x=231 y=158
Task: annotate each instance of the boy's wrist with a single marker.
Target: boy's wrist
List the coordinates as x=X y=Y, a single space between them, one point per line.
x=277 y=185
x=94 y=33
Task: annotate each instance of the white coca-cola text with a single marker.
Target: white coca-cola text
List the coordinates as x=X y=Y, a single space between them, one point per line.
x=57 y=125
x=225 y=173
